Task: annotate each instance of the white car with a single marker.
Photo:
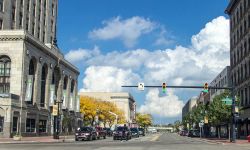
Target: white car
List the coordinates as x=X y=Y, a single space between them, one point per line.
x=152 y=130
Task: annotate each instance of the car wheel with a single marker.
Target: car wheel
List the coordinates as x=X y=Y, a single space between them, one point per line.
x=98 y=137
x=104 y=137
x=114 y=138
x=90 y=138
x=76 y=139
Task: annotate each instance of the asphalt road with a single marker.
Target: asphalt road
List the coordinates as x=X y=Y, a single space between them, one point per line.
x=166 y=141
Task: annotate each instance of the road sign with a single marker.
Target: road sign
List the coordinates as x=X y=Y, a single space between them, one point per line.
x=206 y=119
x=202 y=121
x=55 y=110
x=141 y=86
x=201 y=124
x=227 y=101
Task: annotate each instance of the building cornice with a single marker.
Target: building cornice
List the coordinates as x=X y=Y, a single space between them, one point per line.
x=21 y=35
x=230 y=6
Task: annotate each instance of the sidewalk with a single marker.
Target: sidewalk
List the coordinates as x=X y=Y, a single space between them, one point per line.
x=225 y=141
x=42 y=139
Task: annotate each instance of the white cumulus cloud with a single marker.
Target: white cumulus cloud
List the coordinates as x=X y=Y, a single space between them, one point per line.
x=166 y=106
x=80 y=54
x=128 y=30
x=195 y=64
x=107 y=78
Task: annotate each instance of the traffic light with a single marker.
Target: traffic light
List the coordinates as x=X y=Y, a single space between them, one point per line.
x=205 y=88
x=164 y=87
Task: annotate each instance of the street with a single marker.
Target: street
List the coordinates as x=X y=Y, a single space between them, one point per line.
x=160 y=141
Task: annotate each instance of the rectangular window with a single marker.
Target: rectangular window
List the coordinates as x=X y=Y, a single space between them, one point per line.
x=38 y=32
x=13 y=16
x=1 y=5
x=30 y=125
x=14 y=125
x=1 y=24
x=20 y=20
x=21 y=3
x=33 y=28
x=27 y=23
x=52 y=24
x=42 y=126
x=1 y=123
x=53 y=11
x=28 y=5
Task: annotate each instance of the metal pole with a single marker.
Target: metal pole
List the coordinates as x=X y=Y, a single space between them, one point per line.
x=233 y=133
x=58 y=121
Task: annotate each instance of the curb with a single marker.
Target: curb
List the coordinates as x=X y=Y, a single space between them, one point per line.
x=37 y=142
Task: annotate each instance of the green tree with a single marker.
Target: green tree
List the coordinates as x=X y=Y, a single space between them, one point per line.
x=219 y=112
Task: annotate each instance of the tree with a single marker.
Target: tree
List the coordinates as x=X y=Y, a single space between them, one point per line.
x=88 y=107
x=92 y=107
x=144 y=120
x=218 y=112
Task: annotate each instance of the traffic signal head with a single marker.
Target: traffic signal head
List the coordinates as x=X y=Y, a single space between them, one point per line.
x=205 y=87
x=164 y=87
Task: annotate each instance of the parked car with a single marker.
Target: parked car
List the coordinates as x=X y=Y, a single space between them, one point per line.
x=183 y=133
x=100 y=132
x=193 y=133
x=122 y=133
x=108 y=131
x=141 y=131
x=85 y=133
x=135 y=132
x=152 y=130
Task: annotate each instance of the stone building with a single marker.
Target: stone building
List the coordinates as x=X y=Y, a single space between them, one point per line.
x=221 y=80
x=123 y=101
x=189 y=106
x=33 y=71
x=238 y=11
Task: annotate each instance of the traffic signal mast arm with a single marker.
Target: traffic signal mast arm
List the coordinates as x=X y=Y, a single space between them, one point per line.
x=187 y=87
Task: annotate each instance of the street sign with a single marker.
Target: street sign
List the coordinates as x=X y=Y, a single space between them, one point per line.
x=202 y=121
x=201 y=124
x=227 y=101
x=55 y=110
x=206 y=119
x=141 y=86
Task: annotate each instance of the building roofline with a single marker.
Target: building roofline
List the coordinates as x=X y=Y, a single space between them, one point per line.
x=230 y=6
x=6 y=35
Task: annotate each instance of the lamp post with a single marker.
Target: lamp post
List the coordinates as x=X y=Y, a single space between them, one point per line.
x=56 y=134
x=116 y=116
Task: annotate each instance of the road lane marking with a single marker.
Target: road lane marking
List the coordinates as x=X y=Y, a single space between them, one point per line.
x=156 y=137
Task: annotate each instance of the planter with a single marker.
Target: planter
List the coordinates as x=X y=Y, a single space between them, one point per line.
x=17 y=138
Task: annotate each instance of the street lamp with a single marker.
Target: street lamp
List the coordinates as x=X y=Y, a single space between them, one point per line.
x=56 y=134
x=116 y=116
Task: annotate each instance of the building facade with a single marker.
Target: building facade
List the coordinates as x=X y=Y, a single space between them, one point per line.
x=122 y=100
x=189 y=106
x=221 y=80
x=33 y=72
x=238 y=11
x=37 y=17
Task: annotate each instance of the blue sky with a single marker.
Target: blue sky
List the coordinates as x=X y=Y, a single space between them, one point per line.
x=151 y=41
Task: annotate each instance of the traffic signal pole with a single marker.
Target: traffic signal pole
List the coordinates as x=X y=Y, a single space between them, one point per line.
x=233 y=131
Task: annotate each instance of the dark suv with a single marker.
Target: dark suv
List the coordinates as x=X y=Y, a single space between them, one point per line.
x=85 y=133
x=122 y=133
x=142 y=131
x=135 y=132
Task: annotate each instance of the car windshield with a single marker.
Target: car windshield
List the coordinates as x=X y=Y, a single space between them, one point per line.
x=121 y=128
x=85 y=129
x=134 y=129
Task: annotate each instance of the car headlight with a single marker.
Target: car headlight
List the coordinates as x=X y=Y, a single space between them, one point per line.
x=87 y=134
x=76 y=133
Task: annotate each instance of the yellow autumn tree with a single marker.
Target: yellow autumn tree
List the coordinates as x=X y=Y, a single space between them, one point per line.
x=92 y=107
x=144 y=120
x=88 y=107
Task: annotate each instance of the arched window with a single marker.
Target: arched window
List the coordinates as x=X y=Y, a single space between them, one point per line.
x=43 y=85
x=31 y=79
x=72 y=86
x=5 y=66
